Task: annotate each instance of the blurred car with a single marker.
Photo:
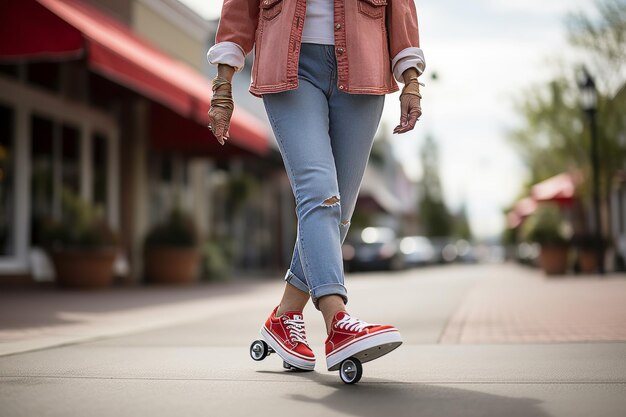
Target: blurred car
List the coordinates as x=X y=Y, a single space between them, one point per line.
x=417 y=250
x=466 y=252
x=528 y=253
x=373 y=248
x=445 y=249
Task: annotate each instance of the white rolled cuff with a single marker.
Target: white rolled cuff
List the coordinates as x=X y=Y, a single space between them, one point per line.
x=410 y=57
x=227 y=52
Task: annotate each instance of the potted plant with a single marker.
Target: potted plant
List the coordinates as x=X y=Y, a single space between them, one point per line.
x=586 y=250
x=80 y=244
x=547 y=227
x=170 y=252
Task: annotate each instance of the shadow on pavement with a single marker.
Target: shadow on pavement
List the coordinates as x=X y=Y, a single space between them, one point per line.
x=378 y=398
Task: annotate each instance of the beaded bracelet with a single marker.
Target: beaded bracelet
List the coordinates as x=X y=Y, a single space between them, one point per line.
x=410 y=81
x=224 y=100
x=412 y=93
x=416 y=79
x=219 y=81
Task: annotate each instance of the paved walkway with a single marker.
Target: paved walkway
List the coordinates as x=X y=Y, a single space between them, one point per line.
x=525 y=306
x=162 y=352
x=35 y=318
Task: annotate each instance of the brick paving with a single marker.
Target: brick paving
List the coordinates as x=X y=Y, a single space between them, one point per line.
x=521 y=305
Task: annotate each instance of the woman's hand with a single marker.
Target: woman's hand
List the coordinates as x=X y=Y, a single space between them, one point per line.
x=410 y=102
x=222 y=104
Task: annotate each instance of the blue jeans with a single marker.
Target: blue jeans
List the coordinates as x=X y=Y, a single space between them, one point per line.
x=325 y=137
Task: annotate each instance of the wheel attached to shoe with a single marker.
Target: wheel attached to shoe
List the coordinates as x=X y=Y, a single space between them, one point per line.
x=351 y=343
x=285 y=336
x=259 y=350
x=351 y=371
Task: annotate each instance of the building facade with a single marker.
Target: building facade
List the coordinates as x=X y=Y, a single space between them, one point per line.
x=108 y=99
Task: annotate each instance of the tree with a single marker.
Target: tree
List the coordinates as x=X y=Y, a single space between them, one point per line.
x=462 y=228
x=432 y=209
x=555 y=135
x=603 y=41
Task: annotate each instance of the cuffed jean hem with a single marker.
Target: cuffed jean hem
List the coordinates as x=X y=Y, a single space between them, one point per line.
x=328 y=289
x=319 y=291
x=292 y=279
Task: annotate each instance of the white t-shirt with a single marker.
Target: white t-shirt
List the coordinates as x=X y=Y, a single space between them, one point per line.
x=318 y=22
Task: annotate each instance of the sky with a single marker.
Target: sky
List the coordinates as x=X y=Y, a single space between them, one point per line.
x=485 y=53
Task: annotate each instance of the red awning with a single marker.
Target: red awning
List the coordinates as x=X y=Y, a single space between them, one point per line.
x=525 y=207
x=28 y=30
x=522 y=209
x=114 y=51
x=560 y=188
x=513 y=220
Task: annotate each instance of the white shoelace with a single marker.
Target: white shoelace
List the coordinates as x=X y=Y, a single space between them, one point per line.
x=296 y=330
x=352 y=324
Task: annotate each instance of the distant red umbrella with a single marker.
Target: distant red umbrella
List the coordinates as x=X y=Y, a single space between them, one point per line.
x=522 y=209
x=560 y=189
x=526 y=206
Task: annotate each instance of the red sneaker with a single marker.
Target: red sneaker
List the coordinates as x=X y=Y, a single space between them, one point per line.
x=350 y=336
x=286 y=335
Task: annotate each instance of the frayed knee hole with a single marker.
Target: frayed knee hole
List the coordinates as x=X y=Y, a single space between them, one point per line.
x=332 y=201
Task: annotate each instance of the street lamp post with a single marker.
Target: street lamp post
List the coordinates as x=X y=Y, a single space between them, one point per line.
x=589 y=99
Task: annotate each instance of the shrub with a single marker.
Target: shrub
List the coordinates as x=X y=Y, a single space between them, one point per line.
x=178 y=230
x=81 y=226
x=546 y=226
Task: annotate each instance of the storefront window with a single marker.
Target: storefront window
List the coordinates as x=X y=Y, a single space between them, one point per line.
x=56 y=166
x=70 y=160
x=42 y=176
x=100 y=162
x=7 y=189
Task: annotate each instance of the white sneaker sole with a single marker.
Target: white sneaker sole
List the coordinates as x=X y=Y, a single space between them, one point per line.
x=366 y=349
x=289 y=357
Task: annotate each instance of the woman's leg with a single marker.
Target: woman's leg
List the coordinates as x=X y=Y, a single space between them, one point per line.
x=293 y=300
x=300 y=121
x=353 y=121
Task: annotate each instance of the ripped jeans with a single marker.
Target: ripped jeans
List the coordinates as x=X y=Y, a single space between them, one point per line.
x=325 y=137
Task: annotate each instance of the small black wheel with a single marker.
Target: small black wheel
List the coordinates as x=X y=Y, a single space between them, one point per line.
x=259 y=350
x=351 y=371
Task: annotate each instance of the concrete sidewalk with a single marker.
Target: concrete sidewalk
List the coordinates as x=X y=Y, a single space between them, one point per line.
x=36 y=318
x=200 y=364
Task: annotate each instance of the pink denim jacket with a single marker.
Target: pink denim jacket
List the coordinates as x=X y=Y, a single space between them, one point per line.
x=372 y=37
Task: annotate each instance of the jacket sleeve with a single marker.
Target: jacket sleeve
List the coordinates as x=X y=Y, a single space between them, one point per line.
x=403 y=38
x=227 y=53
x=235 y=33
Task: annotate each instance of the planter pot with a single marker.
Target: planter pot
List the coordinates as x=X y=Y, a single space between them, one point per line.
x=553 y=259
x=84 y=268
x=170 y=265
x=587 y=261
